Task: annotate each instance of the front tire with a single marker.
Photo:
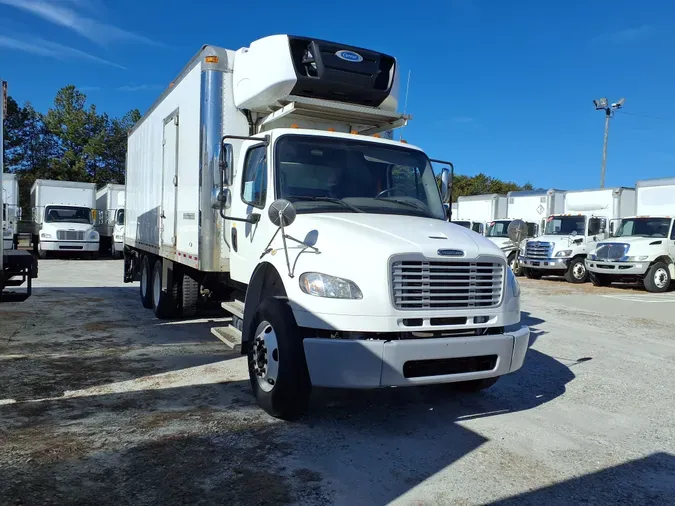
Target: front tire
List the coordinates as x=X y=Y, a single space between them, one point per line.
x=657 y=279
x=276 y=362
x=576 y=272
x=146 y=279
x=515 y=265
x=600 y=279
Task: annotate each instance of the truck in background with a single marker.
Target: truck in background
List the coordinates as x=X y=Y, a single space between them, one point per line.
x=327 y=243
x=642 y=247
x=11 y=211
x=567 y=238
x=479 y=210
x=63 y=218
x=530 y=206
x=110 y=218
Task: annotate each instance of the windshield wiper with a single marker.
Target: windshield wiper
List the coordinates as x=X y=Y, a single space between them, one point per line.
x=327 y=199
x=409 y=204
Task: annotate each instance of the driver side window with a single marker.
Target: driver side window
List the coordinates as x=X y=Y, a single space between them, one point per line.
x=254 y=180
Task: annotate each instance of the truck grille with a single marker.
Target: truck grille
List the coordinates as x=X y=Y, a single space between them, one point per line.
x=611 y=251
x=446 y=285
x=69 y=235
x=536 y=249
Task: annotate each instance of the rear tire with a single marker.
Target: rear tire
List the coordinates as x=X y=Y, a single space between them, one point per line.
x=146 y=280
x=599 y=279
x=189 y=296
x=657 y=279
x=276 y=361
x=163 y=303
x=576 y=272
x=531 y=274
x=474 y=385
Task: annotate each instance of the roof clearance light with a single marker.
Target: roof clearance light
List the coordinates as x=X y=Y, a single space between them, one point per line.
x=376 y=135
x=295 y=125
x=211 y=59
x=404 y=141
x=354 y=132
x=331 y=129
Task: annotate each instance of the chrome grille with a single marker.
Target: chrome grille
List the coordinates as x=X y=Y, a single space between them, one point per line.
x=536 y=249
x=446 y=285
x=610 y=251
x=69 y=235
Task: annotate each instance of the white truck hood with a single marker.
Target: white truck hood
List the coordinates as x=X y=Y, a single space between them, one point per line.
x=63 y=225
x=639 y=245
x=501 y=242
x=386 y=235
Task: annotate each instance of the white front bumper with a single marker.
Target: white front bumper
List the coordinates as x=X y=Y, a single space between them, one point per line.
x=552 y=264
x=66 y=246
x=617 y=268
x=342 y=363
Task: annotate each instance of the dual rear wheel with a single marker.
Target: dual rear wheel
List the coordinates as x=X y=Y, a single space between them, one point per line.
x=180 y=299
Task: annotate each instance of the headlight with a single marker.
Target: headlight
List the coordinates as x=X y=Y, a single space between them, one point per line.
x=564 y=253
x=323 y=285
x=44 y=235
x=93 y=236
x=511 y=280
x=641 y=258
x=592 y=256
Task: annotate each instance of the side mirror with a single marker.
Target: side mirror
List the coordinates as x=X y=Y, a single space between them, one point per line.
x=445 y=185
x=93 y=215
x=226 y=164
x=574 y=233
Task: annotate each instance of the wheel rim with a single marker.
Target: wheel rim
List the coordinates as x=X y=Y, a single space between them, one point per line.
x=156 y=288
x=265 y=356
x=661 y=278
x=513 y=265
x=579 y=270
x=144 y=280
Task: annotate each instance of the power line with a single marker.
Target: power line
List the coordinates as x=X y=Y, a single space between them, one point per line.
x=646 y=116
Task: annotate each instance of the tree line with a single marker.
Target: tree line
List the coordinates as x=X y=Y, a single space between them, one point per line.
x=72 y=141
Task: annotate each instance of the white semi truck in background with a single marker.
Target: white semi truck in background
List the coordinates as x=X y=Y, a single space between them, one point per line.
x=642 y=247
x=261 y=177
x=11 y=211
x=63 y=218
x=568 y=237
x=110 y=218
x=476 y=211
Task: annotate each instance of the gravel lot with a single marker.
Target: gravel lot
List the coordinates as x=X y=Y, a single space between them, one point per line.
x=102 y=404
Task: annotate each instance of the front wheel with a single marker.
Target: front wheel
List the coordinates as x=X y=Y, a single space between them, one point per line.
x=515 y=265
x=657 y=279
x=276 y=362
x=576 y=271
x=600 y=279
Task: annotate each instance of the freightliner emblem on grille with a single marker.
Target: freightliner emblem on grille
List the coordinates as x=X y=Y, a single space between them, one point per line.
x=450 y=252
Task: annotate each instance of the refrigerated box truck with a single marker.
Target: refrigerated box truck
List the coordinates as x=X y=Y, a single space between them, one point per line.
x=63 y=218
x=11 y=211
x=262 y=177
x=569 y=237
x=479 y=210
x=642 y=247
x=110 y=218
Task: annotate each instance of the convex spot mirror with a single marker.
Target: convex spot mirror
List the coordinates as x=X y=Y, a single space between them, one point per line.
x=517 y=231
x=281 y=213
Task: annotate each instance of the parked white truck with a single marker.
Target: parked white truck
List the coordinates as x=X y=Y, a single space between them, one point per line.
x=63 y=217
x=567 y=238
x=11 y=212
x=110 y=218
x=327 y=242
x=476 y=211
x=530 y=206
x=642 y=247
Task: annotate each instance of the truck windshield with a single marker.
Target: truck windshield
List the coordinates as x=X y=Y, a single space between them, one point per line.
x=643 y=227
x=120 y=217
x=498 y=229
x=320 y=174
x=68 y=214
x=465 y=224
x=565 y=225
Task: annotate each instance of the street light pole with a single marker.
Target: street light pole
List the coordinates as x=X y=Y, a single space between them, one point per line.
x=603 y=105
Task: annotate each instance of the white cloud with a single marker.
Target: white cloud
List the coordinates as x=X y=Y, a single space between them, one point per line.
x=52 y=50
x=59 y=13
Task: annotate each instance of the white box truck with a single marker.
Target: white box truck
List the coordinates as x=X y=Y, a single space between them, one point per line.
x=476 y=211
x=568 y=237
x=530 y=206
x=63 y=217
x=642 y=247
x=262 y=178
x=110 y=218
x=11 y=211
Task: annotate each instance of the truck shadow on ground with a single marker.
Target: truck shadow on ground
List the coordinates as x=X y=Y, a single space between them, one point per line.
x=198 y=436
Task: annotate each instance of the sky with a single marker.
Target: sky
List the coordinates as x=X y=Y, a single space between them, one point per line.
x=500 y=87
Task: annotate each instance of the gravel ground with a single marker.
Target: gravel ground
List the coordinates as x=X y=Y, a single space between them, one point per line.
x=100 y=403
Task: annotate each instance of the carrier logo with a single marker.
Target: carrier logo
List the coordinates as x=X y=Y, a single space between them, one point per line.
x=346 y=55
x=450 y=253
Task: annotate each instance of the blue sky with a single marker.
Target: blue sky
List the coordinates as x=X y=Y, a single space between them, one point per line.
x=503 y=87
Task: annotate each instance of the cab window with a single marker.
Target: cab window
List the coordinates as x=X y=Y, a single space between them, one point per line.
x=254 y=181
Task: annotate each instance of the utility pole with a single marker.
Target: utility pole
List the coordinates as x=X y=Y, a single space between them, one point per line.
x=603 y=105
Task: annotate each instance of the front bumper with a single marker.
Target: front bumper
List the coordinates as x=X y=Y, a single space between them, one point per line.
x=617 y=268
x=66 y=246
x=343 y=363
x=552 y=264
